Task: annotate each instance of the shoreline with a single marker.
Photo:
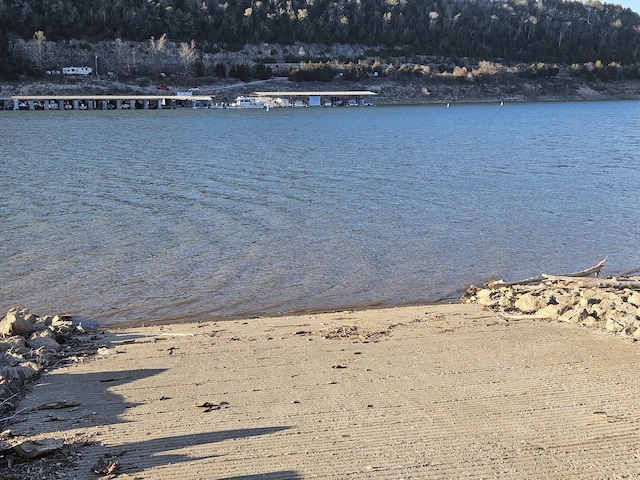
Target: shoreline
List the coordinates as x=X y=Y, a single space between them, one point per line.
x=396 y=91
x=200 y=318
x=534 y=367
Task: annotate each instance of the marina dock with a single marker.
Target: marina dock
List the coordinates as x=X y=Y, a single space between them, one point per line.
x=103 y=102
x=330 y=98
x=157 y=102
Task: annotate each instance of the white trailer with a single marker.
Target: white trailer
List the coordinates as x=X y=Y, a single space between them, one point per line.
x=77 y=71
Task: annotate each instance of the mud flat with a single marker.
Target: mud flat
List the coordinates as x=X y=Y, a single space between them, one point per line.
x=443 y=391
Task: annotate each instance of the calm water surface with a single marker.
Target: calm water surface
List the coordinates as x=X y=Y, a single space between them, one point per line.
x=142 y=215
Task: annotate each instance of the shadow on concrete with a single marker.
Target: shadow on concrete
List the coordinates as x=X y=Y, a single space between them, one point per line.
x=84 y=402
x=135 y=457
x=283 y=475
x=88 y=401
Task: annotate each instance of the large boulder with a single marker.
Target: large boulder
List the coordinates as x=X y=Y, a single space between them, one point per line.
x=551 y=311
x=574 y=315
x=634 y=298
x=11 y=343
x=14 y=378
x=37 y=448
x=17 y=322
x=46 y=343
x=485 y=297
x=529 y=303
x=603 y=309
x=613 y=325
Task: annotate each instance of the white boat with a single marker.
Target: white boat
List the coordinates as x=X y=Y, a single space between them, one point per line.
x=246 y=102
x=282 y=102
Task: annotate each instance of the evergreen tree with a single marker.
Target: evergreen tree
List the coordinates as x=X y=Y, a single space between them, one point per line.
x=512 y=30
x=6 y=72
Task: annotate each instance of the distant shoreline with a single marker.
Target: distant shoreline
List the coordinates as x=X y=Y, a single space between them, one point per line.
x=389 y=91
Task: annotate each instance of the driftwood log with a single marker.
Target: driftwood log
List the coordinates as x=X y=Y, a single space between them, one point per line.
x=595 y=282
x=582 y=273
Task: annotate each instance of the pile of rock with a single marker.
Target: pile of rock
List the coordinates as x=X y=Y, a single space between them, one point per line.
x=28 y=344
x=611 y=304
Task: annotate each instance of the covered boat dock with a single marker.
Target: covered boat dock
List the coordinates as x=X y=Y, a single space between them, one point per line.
x=317 y=99
x=103 y=102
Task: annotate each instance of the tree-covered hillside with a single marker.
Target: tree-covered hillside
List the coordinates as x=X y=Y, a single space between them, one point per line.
x=513 y=30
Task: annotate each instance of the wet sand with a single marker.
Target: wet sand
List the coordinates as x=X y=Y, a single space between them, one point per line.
x=442 y=391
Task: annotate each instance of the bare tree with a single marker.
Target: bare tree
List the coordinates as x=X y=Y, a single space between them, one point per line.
x=119 y=46
x=157 y=47
x=188 y=55
x=38 y=50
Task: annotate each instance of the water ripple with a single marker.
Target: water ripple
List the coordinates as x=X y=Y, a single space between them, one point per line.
x=122 y=216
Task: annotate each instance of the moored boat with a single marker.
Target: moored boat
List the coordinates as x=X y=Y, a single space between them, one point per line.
x=246 y=102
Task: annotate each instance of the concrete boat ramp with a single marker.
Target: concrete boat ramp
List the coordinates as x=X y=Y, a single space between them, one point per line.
x=426 y=392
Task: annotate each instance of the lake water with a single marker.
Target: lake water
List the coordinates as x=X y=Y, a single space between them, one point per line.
x=190 y=214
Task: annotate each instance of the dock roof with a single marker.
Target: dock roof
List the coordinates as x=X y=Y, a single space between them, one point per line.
x=109 y=97
x=337 y=93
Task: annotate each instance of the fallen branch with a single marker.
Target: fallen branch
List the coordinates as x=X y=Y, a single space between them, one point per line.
x=9 y=399
x=515 y=316
x=595 y=282
x=14 y=415
x=582 y=273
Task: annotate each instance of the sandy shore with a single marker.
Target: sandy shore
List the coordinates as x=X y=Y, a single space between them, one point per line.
x=444 y=391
